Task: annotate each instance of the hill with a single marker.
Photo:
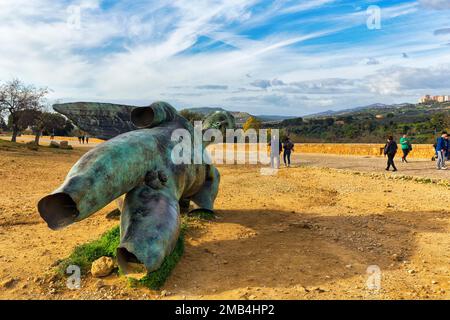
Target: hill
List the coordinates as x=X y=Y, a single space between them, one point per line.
x=240 y=116
x=369 y=108
x=371 y=123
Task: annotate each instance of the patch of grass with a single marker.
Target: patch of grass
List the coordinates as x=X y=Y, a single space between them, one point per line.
x=106 y=245
x=202 y=214
x=29 y=146
x=10 y=146
x=83 y=255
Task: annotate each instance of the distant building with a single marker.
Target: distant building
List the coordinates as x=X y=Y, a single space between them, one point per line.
x=428 y=98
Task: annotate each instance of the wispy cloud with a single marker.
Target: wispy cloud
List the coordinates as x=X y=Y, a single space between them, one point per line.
x=290 y=57
x=435 y=4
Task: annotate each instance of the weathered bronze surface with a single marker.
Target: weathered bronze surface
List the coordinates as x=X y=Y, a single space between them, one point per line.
x=136 y=163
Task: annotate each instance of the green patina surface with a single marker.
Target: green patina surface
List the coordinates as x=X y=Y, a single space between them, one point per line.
x=139 y=165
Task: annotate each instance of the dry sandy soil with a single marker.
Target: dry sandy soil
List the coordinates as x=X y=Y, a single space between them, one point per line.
x=306 y=233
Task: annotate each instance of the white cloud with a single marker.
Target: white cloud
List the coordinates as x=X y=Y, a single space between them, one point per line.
x=436 y=4
x=133 y=53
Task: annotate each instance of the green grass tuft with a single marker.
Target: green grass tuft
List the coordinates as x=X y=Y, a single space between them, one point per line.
x=202 y=214
x=85 y=254
x=106 y=245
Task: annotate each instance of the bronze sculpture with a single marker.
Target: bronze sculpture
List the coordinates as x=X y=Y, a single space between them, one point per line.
x=136 y=161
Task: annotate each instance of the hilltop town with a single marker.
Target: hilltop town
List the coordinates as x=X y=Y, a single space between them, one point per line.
x=427 y=99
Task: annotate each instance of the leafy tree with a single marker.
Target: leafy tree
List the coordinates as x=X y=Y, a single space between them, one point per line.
x=438 y=121
x=3 y=125
x=25 y=119
x=47 y=121
x=252 y=123
x=67 y=130
x=191 y=115
x=16 y=97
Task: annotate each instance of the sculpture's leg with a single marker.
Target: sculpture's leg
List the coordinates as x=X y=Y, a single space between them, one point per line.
x=184 y=205
x=205 y=197
x=150 y=227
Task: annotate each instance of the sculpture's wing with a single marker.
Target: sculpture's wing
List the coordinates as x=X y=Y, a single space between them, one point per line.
x=101 y=120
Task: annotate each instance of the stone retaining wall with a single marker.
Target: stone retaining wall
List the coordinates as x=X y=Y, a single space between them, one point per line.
x=422 y=151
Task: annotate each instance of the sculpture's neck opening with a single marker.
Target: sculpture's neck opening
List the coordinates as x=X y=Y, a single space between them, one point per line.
x=58 y=210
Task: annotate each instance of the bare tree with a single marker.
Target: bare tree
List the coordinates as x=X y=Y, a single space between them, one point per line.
x=16 y=97
x=47 y=121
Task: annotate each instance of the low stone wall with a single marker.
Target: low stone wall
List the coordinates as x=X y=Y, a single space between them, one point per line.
x=420 y=151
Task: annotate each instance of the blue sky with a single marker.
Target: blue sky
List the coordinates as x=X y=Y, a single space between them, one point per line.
x=263 y=57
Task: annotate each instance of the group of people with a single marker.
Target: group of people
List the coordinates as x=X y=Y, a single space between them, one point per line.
x=287 y=147
x=442 y=148
x=83 y=139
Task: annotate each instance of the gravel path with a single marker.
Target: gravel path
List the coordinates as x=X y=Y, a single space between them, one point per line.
x=415 y=167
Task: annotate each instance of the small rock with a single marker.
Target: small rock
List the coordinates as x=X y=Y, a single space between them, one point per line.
x=434 y=282
x=348 y=266
x=411 y=271
x=102 y=267
x=65 y=145
x=165 y=293
x=54 y=144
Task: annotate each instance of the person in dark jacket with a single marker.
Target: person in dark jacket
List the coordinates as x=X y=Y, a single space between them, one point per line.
x=288 y=147
x=390 y=149
x=441 y=149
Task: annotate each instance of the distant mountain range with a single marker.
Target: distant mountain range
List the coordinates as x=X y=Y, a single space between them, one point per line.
x=241 y=117
x=371 y=107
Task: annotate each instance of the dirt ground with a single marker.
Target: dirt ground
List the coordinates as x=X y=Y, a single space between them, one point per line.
x=305 y=233
x=414 y=167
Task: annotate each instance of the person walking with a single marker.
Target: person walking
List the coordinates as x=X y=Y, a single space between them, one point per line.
x=441 y=149
x=288 y=147
x=406 y=146
x=79 y=139
x=82 y=138
x=390 y=149
x=87 y=139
